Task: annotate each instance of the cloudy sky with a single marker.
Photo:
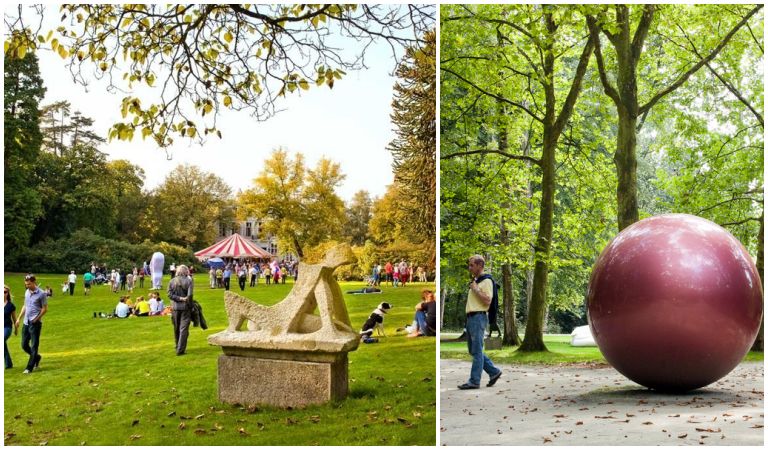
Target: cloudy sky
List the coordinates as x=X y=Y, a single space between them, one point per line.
x=349 y=124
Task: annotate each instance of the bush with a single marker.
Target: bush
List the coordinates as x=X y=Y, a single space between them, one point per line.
x=82 y=247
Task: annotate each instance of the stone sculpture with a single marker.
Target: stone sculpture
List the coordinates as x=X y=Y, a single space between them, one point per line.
x=289 y=355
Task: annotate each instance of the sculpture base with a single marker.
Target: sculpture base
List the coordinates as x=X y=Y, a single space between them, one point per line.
x=492 y=343
x=280 y=379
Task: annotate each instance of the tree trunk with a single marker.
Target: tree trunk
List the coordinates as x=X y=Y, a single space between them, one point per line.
x=625 y=160
x=759 y=344
x=511 y=337
x=443 y=294
x=534 y=327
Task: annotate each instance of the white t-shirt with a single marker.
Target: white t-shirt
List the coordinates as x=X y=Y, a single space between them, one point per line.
x=122 y=310
x=72 y=278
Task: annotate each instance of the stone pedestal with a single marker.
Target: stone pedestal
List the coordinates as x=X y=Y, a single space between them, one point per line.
x=284 y=379
x=492 y=343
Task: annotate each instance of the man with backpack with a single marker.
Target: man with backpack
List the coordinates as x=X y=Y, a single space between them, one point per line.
x=479 y=301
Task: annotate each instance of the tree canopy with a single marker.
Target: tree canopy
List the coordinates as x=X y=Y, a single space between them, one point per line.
x=199 y=59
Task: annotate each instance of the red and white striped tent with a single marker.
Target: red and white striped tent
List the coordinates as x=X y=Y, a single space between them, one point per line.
x=234 y=246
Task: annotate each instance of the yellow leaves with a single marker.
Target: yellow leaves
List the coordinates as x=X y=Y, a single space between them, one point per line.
x=304 y=84
x=63 y=52
x=21 y=51
x=207 y=108
x=6 y=46
x=146 y=131
x=55 y=44
x=150 y=79
x=227 y=101
x=228 y=37
x=103 y=66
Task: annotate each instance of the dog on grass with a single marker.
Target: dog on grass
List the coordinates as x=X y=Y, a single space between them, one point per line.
x=375 y=322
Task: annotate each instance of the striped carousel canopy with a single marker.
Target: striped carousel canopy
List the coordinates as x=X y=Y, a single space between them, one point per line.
x=234 y=246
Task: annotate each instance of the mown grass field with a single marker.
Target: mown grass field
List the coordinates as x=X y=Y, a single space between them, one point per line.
x=118 y=382
x=560 y=352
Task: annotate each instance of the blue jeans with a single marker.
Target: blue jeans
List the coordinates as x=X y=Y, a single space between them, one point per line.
x=30 y=342
x=8 y=362
x=476 y=325
x=421 y=320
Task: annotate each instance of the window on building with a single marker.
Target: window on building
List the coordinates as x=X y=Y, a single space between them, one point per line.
x=248 y=229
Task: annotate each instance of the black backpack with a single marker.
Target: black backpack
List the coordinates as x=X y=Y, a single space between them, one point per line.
x=493 y=309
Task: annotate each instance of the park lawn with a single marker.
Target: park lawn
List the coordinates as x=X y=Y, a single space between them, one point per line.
x=560 y=352
x=118 y=382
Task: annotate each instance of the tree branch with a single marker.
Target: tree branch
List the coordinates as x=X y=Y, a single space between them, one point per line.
x=642 y=31
x=684 y=77
x=496 y=152
x=594 y=33
x=490 y=94
x=573 y=93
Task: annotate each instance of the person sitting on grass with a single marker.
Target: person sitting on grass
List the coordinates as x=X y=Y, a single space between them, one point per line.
x=142 y=307
x=48 y=291
x=425 y=320
x=122 y=310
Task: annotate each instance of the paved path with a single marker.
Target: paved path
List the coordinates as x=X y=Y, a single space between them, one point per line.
x=595 y=405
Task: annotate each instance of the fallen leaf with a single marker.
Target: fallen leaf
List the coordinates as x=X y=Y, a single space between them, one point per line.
x=199 y=416
x=242 y=431
x=674 y=415
x=579 y=423
x=135 y=436
x=200 y=431
x=604 y=417
x=182 y=425
x=682 y=436
x=135 y=422
x=647 y=423
x=172 y=413
x=708 y=430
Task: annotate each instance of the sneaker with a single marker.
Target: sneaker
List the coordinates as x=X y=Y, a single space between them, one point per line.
x=27 y=371
x=466 y=386
x=493 y=379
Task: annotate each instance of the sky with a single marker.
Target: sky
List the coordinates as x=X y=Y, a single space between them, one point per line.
x=349 y=124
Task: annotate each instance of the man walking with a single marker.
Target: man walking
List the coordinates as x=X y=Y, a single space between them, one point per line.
x=478 y=301
x=72 y=280
x=180 y=293
x=35 y=307
x=87 y=281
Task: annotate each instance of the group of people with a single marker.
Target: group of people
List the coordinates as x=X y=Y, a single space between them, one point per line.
x=398 y=274
x=153 y=306
x=273 y=273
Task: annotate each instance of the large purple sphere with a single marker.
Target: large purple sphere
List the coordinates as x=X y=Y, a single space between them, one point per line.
x=674 y=302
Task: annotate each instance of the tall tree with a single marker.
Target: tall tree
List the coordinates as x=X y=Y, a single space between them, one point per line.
x=23 y=91
x=203 y=58
x=537 y=38
x=615 y=22
x=188 y=204
x=63 y=129
x=300 y=206
x=359 y=213
x=414 y=148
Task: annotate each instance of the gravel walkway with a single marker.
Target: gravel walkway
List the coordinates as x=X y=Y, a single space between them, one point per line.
x=595 y=405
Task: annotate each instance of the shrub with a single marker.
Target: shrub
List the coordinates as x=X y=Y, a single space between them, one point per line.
x=77 y=251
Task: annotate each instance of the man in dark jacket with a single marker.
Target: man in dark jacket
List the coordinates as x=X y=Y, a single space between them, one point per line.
x=180 y=293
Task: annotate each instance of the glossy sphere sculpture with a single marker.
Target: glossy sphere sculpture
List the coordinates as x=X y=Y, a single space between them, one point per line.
x=674 y=302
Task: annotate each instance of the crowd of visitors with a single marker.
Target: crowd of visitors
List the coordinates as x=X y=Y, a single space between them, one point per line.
x=397 y=275
x=250 y=272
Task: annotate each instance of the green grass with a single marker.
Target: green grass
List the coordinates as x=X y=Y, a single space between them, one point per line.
x=560 y=352
x=107 y=381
